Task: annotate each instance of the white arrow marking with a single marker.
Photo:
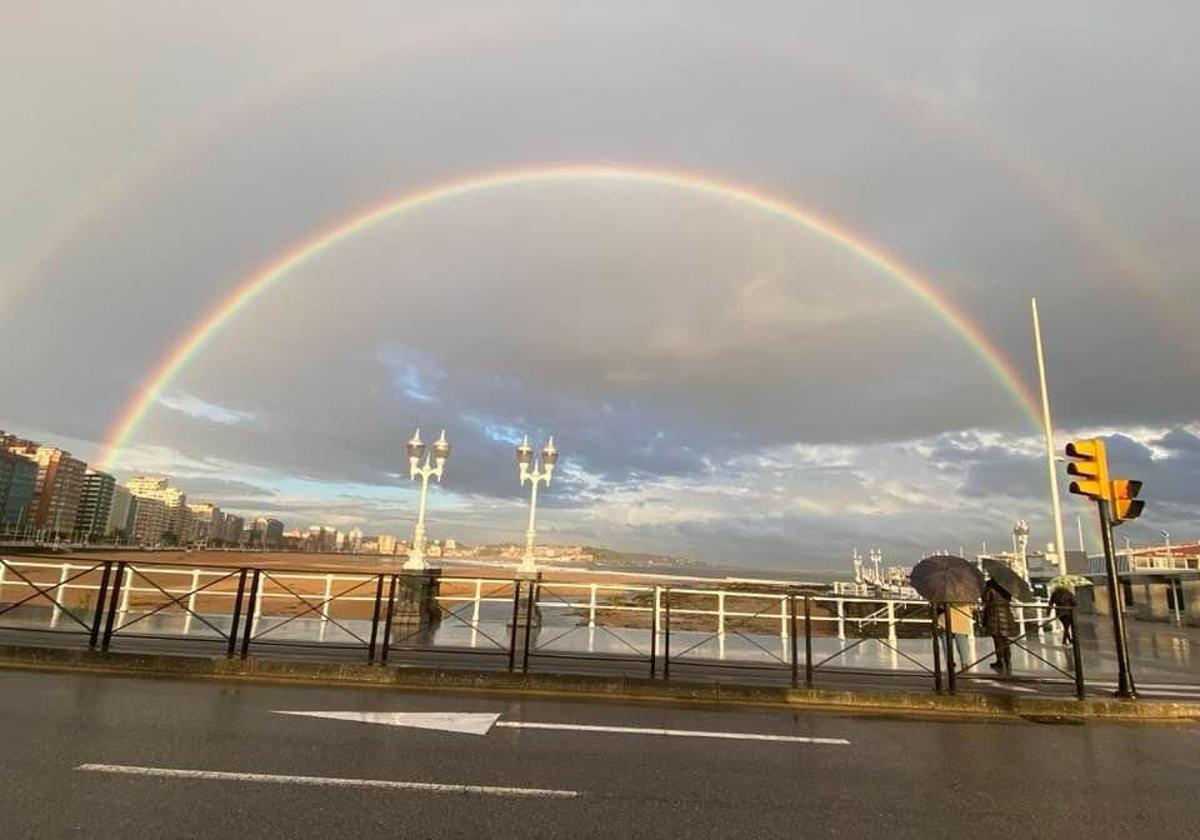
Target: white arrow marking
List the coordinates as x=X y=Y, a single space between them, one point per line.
x=480 y=723
x=674 y=733
x=325 y=781
x=1007 y=686
x=466 y=723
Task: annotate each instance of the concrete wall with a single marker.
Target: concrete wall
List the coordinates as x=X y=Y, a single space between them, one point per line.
x=1191 y=601
x=1150 y=600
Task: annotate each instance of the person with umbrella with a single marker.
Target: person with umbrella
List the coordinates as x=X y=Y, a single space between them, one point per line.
x=1000 y=624
x=1064 y=603
x=953 y=586
x=957 y=621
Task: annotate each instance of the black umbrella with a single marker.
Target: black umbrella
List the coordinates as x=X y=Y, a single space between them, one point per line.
x=1008 y=580
x=948 y=579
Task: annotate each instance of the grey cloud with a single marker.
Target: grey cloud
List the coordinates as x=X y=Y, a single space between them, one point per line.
x=998 y=155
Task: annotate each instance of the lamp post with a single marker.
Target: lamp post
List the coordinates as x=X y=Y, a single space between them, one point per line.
x=416 y=449
x=534 y=473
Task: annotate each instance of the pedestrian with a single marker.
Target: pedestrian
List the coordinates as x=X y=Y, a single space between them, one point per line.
x=1000 y=624
x=1064 y=603
x=961 y=627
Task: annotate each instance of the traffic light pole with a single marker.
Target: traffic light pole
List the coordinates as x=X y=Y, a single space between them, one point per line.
x=1125 y=686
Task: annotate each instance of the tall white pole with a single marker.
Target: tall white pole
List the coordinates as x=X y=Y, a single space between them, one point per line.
x=1051 y=467
x=528 y=564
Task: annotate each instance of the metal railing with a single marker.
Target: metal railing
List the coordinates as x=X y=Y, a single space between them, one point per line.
x=647 y=630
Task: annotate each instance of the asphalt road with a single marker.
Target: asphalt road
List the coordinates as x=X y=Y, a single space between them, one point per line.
x=893 y=779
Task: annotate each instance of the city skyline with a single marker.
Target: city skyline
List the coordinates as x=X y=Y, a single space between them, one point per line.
x=791 y=320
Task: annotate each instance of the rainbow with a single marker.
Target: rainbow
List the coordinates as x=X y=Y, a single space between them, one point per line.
x=257 y=284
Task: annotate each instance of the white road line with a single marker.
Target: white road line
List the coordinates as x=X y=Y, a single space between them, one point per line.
x=322 y=781
x=674 y=733
x=1193 y=687
x=1007 y=686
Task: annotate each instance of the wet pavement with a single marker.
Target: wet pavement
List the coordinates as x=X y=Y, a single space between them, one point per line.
x=100 y=756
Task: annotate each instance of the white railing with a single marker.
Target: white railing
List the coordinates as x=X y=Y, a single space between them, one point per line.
x=319 y=590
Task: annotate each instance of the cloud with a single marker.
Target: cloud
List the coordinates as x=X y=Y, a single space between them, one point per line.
x=193 y=406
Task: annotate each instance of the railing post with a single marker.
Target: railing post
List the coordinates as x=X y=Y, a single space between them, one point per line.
x=592 y=608
x=112 y=607
x=191 y=607
x=375 y=620
x=791 y=600
x=951 y=676
x=530 y=606
x=841 y=619
x=325 y=600
x=98 y=613
x=253 y=609
x=1077 y=655
x=667 y=633
x=475 y=611
x=56 y=613
x=387 y=622
x=237 y=614
x=937 y=653
x=653 y=629
x=891 y=618
x=808 y=657
x=125 y=592
x=516 y=613
x=721 y=614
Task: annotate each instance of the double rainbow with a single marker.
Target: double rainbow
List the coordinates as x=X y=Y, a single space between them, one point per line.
x=257 y=284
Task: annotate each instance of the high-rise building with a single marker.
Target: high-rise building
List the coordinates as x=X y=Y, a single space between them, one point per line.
x=233 y=529
x=185 y=525
x=209 y=523
x=355 y=538
x=95 y=504
x=120 y=514
x=151 y=519
x=322 y=539
x=387 y=544
x=58 y=486
x=273 y=531
x=175 y=500
x=263 y=532
x=18 y=479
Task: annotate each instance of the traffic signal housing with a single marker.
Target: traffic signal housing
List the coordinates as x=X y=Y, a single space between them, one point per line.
x=1125 y=502
x=1090 y=467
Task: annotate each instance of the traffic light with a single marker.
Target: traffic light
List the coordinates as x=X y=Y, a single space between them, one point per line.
x=1091 y=467
x=1125 y=502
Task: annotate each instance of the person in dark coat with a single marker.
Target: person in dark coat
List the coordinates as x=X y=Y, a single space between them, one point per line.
x=1000 y=624
x=1064 y=603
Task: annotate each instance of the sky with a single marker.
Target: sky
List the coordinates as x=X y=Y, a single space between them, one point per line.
x=723 y=382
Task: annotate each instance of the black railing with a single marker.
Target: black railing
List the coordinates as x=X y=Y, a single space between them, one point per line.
x=381 y=616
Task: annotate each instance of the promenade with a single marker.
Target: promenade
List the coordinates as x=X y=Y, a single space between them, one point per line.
x=725 y=633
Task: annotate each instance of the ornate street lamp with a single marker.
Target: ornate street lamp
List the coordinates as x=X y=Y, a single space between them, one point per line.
x=534 y=473
x=416 y=450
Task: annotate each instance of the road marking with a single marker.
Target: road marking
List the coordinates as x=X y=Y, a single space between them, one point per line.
x=325 y=781
x=1160 y=686
x=480 y=723
x=673 y=733
x=466 y=723
x=1008 y=686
